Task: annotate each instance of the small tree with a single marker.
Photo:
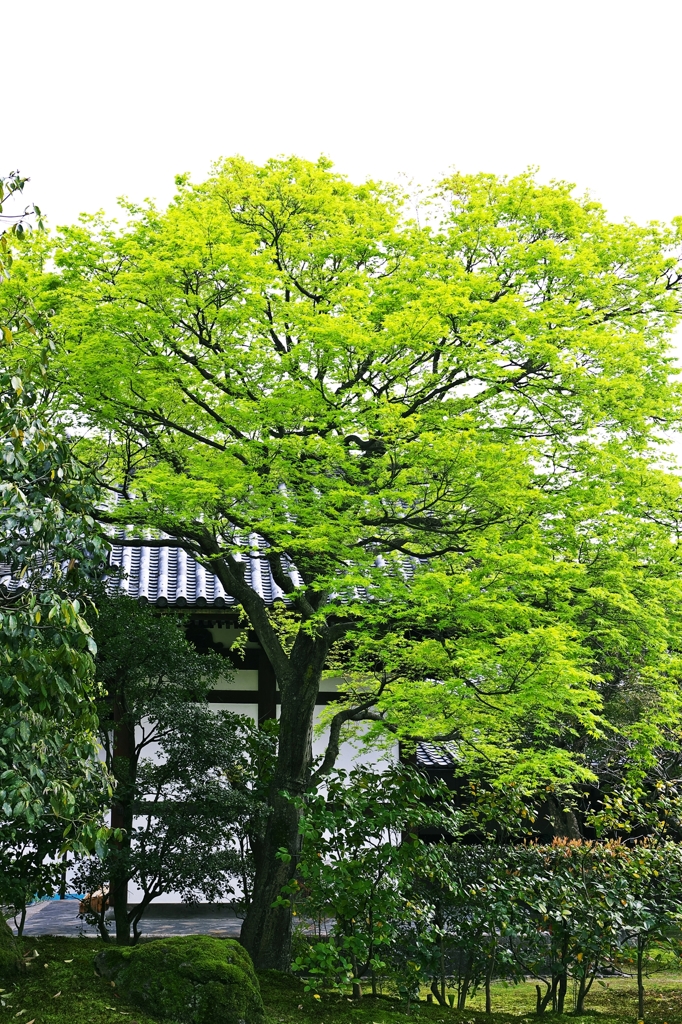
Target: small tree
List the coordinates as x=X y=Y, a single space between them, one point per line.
x=52 y=556
x=573 y=899
x=29 y=864
x=653 y=875
x=184 y=803
x=475 y=913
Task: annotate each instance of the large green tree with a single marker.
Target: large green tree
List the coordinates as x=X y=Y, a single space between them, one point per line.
x=393 y=407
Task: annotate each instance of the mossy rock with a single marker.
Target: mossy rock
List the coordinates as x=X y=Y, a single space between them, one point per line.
x=193 y=979
x=10 y=956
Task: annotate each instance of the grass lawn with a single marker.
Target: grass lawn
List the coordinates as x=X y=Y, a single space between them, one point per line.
x=61 y=987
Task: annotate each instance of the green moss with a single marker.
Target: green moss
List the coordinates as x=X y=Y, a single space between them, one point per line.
x=10 y=958
x=194 y=979
x=59 y=986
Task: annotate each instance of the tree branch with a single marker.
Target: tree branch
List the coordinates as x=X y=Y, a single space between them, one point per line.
x=356 y=714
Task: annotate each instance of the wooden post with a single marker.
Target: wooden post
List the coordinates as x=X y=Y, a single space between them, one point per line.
x=267 y=689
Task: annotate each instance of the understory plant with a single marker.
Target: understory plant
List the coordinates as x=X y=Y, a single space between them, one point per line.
x=186 y=808
x=361 y=847
x=394 y=910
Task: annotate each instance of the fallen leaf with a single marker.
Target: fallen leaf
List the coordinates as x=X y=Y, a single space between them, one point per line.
x=57 y=994
x=113 y=984
x=20 y=1013
x=69 y=961
x=31 y=1021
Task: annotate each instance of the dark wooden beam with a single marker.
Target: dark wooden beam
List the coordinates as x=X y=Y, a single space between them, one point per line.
x=267 y=689
x=232 y=696
x=253 y=697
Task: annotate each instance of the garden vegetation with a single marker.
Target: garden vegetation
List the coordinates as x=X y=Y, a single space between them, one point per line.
x=448 y=423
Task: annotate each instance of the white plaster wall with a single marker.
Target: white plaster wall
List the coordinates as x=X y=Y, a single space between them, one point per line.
x=243 y=679
x=351 y=753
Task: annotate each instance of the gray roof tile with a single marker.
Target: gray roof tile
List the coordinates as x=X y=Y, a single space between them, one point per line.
x=168 y=576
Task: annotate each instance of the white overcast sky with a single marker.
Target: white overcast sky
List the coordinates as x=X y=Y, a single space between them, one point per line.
x=102 y=99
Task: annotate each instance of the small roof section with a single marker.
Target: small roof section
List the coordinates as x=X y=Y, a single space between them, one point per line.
x=436 y=755
x=169 y=577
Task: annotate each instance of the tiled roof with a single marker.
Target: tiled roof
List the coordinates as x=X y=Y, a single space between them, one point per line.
x=39 y=568
x=168 y=576
x=8 y=583
x=436 y=755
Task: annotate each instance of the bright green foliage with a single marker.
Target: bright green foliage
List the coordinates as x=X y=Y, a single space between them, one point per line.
x=561 y=639
x=194 y=979
x=280 y=352
x=16 y=307
x=15 y=224
x=53 y=555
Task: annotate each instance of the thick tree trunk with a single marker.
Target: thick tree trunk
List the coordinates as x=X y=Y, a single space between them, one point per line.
x=123 y=769
x=266 y=931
